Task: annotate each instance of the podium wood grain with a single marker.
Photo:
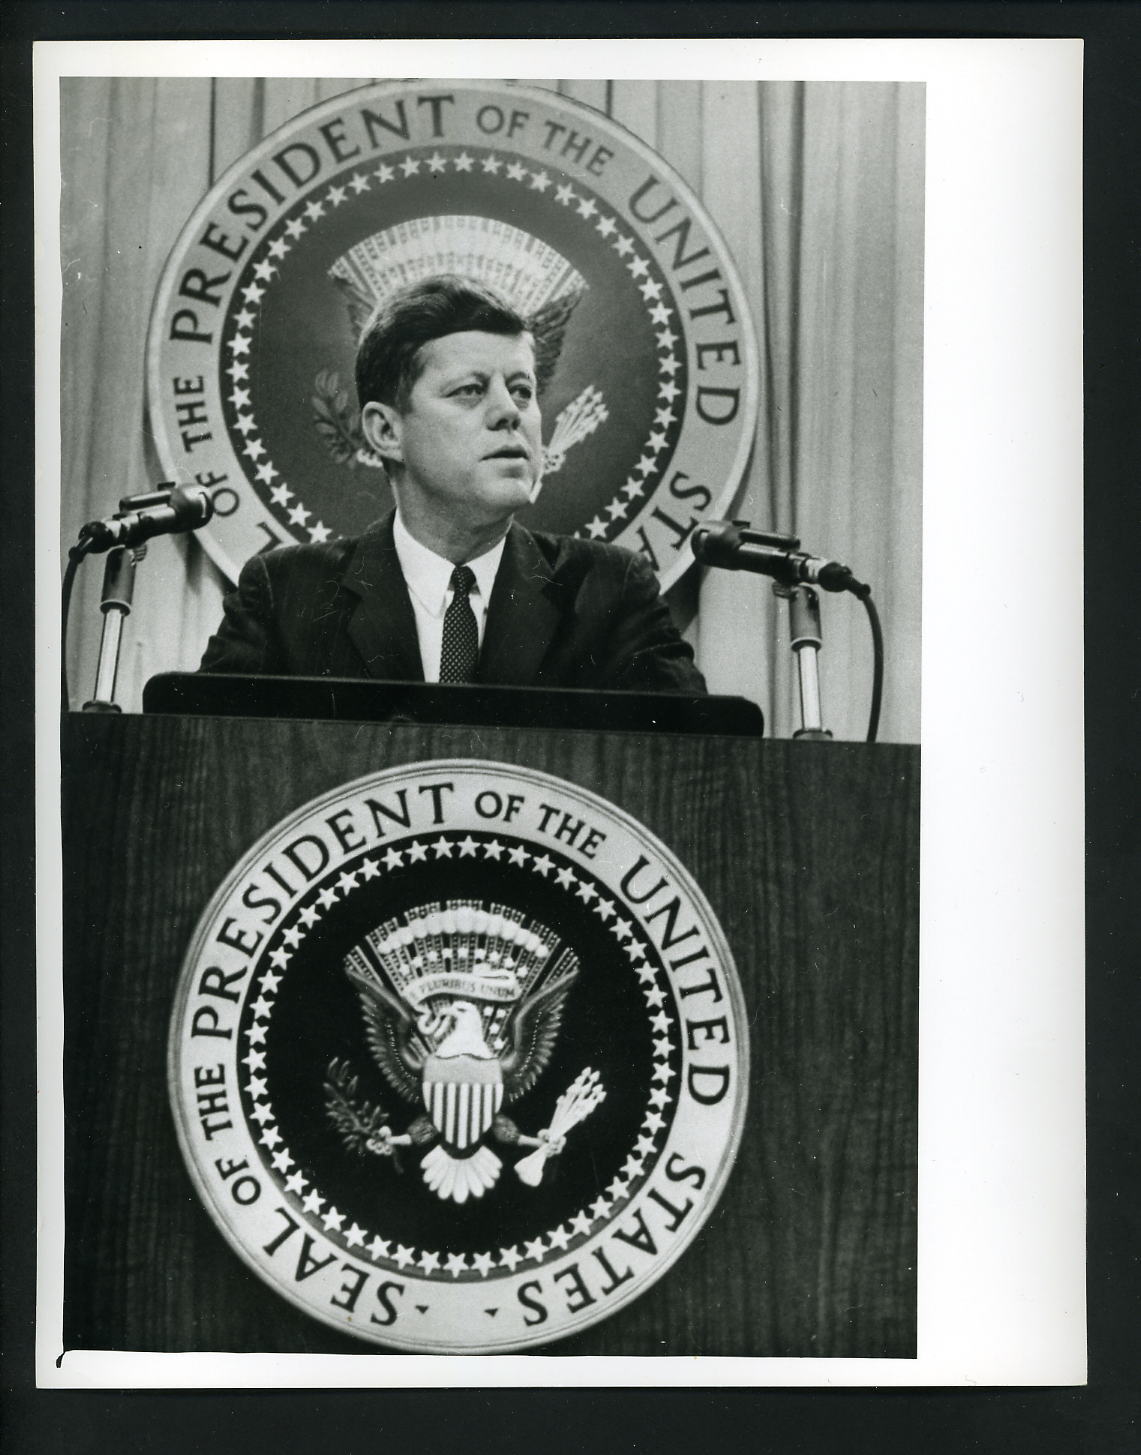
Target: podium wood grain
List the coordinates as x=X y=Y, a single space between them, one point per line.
x=808 y=853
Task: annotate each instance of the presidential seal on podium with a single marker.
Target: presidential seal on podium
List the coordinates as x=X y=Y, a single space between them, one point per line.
x=458 y=1059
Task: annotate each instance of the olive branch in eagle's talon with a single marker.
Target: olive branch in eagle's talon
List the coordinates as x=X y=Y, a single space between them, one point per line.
x=363 y=1126
x=337 y=421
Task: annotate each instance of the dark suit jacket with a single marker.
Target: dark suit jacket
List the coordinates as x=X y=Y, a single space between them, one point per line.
x=563 y=613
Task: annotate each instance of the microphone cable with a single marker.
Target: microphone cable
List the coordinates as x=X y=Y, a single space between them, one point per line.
x=865 y=595
x=75 y=557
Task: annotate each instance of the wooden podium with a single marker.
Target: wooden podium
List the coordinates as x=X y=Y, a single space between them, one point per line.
x=808 y=854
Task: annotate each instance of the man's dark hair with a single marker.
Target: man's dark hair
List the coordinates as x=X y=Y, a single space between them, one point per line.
x=387 y=356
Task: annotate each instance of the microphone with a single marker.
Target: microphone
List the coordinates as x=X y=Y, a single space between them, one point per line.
x=168 y=511
x=733 y=546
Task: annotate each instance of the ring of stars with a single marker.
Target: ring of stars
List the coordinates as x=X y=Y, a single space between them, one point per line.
x=263 y=270
x=303 y=1189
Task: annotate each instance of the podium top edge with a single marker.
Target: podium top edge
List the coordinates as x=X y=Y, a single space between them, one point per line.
x=353 y=700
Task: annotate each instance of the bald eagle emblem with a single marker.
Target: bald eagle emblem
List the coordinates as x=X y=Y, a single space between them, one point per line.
x=462 y=1006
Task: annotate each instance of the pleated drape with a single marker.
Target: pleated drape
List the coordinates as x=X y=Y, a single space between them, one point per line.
x=818 y=190
x=832 y=261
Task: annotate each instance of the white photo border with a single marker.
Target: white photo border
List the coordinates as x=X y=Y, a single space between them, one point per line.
x=1002 y=1190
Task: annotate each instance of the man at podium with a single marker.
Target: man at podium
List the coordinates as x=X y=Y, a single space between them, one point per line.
x=449 y=588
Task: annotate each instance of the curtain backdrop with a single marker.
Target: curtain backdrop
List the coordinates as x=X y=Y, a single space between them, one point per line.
x=818 y=191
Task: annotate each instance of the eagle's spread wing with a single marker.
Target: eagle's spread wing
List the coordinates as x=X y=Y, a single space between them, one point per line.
x=548 y=324
x=360 y=306
x=391 y=1033
x=534 y=1030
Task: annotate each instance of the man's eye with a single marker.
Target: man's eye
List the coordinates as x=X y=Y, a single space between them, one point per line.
x=469 y=389
x=523 y=391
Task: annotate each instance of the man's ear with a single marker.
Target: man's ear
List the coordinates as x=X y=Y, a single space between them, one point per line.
x=381 y=426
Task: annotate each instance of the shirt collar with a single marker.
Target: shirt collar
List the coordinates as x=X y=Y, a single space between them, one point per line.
x=429 y=576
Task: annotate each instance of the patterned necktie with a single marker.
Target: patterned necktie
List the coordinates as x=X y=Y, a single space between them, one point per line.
x=460 y=645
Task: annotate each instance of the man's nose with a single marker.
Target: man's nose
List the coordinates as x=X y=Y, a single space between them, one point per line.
x=503 y=408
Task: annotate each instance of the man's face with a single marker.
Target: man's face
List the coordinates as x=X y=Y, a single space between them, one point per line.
x=468 y=443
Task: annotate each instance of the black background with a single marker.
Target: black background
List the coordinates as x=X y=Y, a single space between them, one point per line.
x=605 y=1024
x=1101 y=1419
x=346 y=498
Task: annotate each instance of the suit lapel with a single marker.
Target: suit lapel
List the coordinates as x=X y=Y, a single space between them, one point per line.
x=382 y=626
x=523 y=615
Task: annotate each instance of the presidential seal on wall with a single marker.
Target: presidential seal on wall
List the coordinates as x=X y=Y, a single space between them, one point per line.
x=645 y=353
x=458 y=1058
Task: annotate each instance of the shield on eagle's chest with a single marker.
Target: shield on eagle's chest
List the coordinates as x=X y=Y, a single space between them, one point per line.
x=462 y=1094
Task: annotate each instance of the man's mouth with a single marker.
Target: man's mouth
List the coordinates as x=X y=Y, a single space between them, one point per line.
x=510 y=452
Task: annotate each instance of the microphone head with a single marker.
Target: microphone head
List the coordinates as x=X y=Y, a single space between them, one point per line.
x=716 y=542
x=831 y=576
x=193 y=505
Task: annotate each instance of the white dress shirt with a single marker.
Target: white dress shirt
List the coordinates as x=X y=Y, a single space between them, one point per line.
x=428 y=578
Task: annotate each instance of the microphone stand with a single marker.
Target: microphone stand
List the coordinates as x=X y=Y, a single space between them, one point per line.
x=804 y=631
x=118 y=594
x=733 y=545
x=806 y=641
x=167 y=511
